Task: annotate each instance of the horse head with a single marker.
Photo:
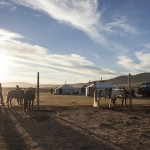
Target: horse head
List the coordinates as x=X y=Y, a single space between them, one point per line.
x=133 y=93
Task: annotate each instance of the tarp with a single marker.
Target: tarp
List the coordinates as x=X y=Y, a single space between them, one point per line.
x=98 y=85
x=103 y=84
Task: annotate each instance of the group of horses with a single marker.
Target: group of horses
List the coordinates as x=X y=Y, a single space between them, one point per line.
x=112 y=94
x=25 y=98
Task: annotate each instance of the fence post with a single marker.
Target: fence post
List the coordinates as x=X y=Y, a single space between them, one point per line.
x=95 y=99
x=38 y=90
x=129 y=81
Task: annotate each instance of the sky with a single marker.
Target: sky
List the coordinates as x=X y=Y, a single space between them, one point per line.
x=73 y=41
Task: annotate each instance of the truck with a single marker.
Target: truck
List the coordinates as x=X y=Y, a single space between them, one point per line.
x=144 y=89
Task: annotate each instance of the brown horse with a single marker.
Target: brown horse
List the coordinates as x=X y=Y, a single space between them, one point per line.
x=29 y=97
x=17 y=94
x=128 y=93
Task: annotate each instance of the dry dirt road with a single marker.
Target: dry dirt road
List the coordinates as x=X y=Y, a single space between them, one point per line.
x=74 y=128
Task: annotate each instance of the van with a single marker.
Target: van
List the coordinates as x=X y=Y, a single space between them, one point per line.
x=144 y=89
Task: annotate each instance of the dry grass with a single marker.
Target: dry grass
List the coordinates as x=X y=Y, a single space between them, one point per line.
x=70 y=122
x=77 y=100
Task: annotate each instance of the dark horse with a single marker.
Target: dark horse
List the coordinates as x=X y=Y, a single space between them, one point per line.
x=129 y=93
x=17 y=94
x=29 y=97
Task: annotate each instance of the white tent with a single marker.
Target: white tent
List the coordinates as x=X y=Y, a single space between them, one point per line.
x=66 y=89
x=98 y=85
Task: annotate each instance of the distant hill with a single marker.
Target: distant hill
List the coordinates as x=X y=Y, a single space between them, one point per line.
x=25 y=85
x=21 y=84
x=136 y=80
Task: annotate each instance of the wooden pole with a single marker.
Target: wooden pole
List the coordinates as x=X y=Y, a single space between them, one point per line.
x=38 y=90
x=95 y=99
x=129 y=81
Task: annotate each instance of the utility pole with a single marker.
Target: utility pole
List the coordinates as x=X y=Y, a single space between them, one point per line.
x=129 y=81
x=38 y=90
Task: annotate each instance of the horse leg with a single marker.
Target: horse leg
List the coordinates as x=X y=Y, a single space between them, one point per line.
x=99 y=102
x=18 y=101
x=29 y=104
x=125 y=102
x=32 y=104
x=110 y=104
x=114 y=101
x=25 y=104
x=10 y=102
x=122 y=101
x=21 y=101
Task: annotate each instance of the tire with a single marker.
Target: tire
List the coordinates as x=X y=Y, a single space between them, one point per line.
x=145 y=94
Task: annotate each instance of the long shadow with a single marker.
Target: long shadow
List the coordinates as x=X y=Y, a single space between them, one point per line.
x=55 y=135
x=142 y=111
x=11 y=136
x=66 y=135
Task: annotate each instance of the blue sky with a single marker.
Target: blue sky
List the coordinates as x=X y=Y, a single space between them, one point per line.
x=73 y=40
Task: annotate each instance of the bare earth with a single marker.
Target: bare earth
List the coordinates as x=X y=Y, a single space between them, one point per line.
x=71 y=122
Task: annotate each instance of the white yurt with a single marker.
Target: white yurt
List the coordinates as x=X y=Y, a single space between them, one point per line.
x=98 y=85
x=66 y=89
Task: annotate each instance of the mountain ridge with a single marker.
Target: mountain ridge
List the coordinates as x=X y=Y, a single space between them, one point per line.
x=136 y=80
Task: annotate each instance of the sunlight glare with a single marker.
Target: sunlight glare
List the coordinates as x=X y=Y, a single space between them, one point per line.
x=5 y=63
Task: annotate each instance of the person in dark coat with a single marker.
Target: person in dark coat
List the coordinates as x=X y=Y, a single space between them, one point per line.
x=1 y=95
x=51 y=90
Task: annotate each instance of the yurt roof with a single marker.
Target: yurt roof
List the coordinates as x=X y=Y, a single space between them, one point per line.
x=66 y=86
x=103 y=84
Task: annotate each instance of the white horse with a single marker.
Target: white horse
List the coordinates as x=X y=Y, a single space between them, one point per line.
x=110 y=93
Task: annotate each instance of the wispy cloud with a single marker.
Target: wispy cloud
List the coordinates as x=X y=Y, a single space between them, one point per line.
x=147 y=45
x=4 y=4
x=85 y=16
x=141 y=64
x=4 y=35
x=80 y=14
x=120 y=26
x=26 y=55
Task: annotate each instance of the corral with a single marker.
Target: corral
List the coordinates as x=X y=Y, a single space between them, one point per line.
x=71 y=122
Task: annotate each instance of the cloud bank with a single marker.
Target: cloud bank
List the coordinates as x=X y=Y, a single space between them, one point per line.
x=140 y=63
x=85 y=16
x=25 y=56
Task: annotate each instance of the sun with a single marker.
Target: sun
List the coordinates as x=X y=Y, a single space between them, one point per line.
x=5 y=64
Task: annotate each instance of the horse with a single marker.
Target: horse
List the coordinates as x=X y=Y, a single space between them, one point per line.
x=29 y=97
x=99 y=93
x=117 y=93
x=129 y=93
x=110 y=93
x=17 y=94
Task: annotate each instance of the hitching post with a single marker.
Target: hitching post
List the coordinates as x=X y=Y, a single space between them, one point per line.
x=38 y=90
x=129 y=77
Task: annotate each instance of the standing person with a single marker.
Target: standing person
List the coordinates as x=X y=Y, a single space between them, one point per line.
x=17 y=87
x=51 y=90
x=1 y=95
x=17 y=93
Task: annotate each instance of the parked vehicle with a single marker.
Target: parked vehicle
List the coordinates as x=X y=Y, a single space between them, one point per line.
x=144 y=89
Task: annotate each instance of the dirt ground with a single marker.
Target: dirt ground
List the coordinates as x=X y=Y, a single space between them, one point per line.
x=71 y=122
